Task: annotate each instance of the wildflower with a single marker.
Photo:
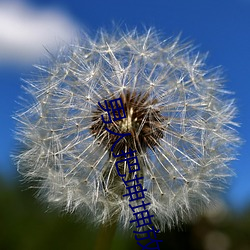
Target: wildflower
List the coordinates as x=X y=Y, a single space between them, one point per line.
x=179 y=120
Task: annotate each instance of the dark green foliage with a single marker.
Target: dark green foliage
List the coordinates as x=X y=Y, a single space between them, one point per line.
x=24 y=225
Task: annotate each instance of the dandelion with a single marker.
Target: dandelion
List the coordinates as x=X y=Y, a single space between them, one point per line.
x=179 y=117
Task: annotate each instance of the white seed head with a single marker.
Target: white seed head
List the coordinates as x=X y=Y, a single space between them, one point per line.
x=179 y=117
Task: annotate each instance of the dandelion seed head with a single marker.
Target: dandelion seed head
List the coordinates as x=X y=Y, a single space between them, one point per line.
x=180 y=118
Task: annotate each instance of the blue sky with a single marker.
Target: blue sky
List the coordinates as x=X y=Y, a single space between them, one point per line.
x=221 y=27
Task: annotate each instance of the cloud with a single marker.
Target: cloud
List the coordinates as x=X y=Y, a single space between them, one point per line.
x=25 y=31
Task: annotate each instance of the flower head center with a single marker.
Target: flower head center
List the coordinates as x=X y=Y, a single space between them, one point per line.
x=128 y=123
x=143 y=120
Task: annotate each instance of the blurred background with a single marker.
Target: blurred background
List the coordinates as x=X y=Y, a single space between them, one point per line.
x=29 y=28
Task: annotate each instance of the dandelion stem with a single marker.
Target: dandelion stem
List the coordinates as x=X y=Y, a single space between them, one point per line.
x=105 y=236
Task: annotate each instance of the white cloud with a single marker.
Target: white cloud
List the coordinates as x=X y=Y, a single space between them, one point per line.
x=25 y=31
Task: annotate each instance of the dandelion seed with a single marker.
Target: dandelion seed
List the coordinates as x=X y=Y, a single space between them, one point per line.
x=179 y=117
